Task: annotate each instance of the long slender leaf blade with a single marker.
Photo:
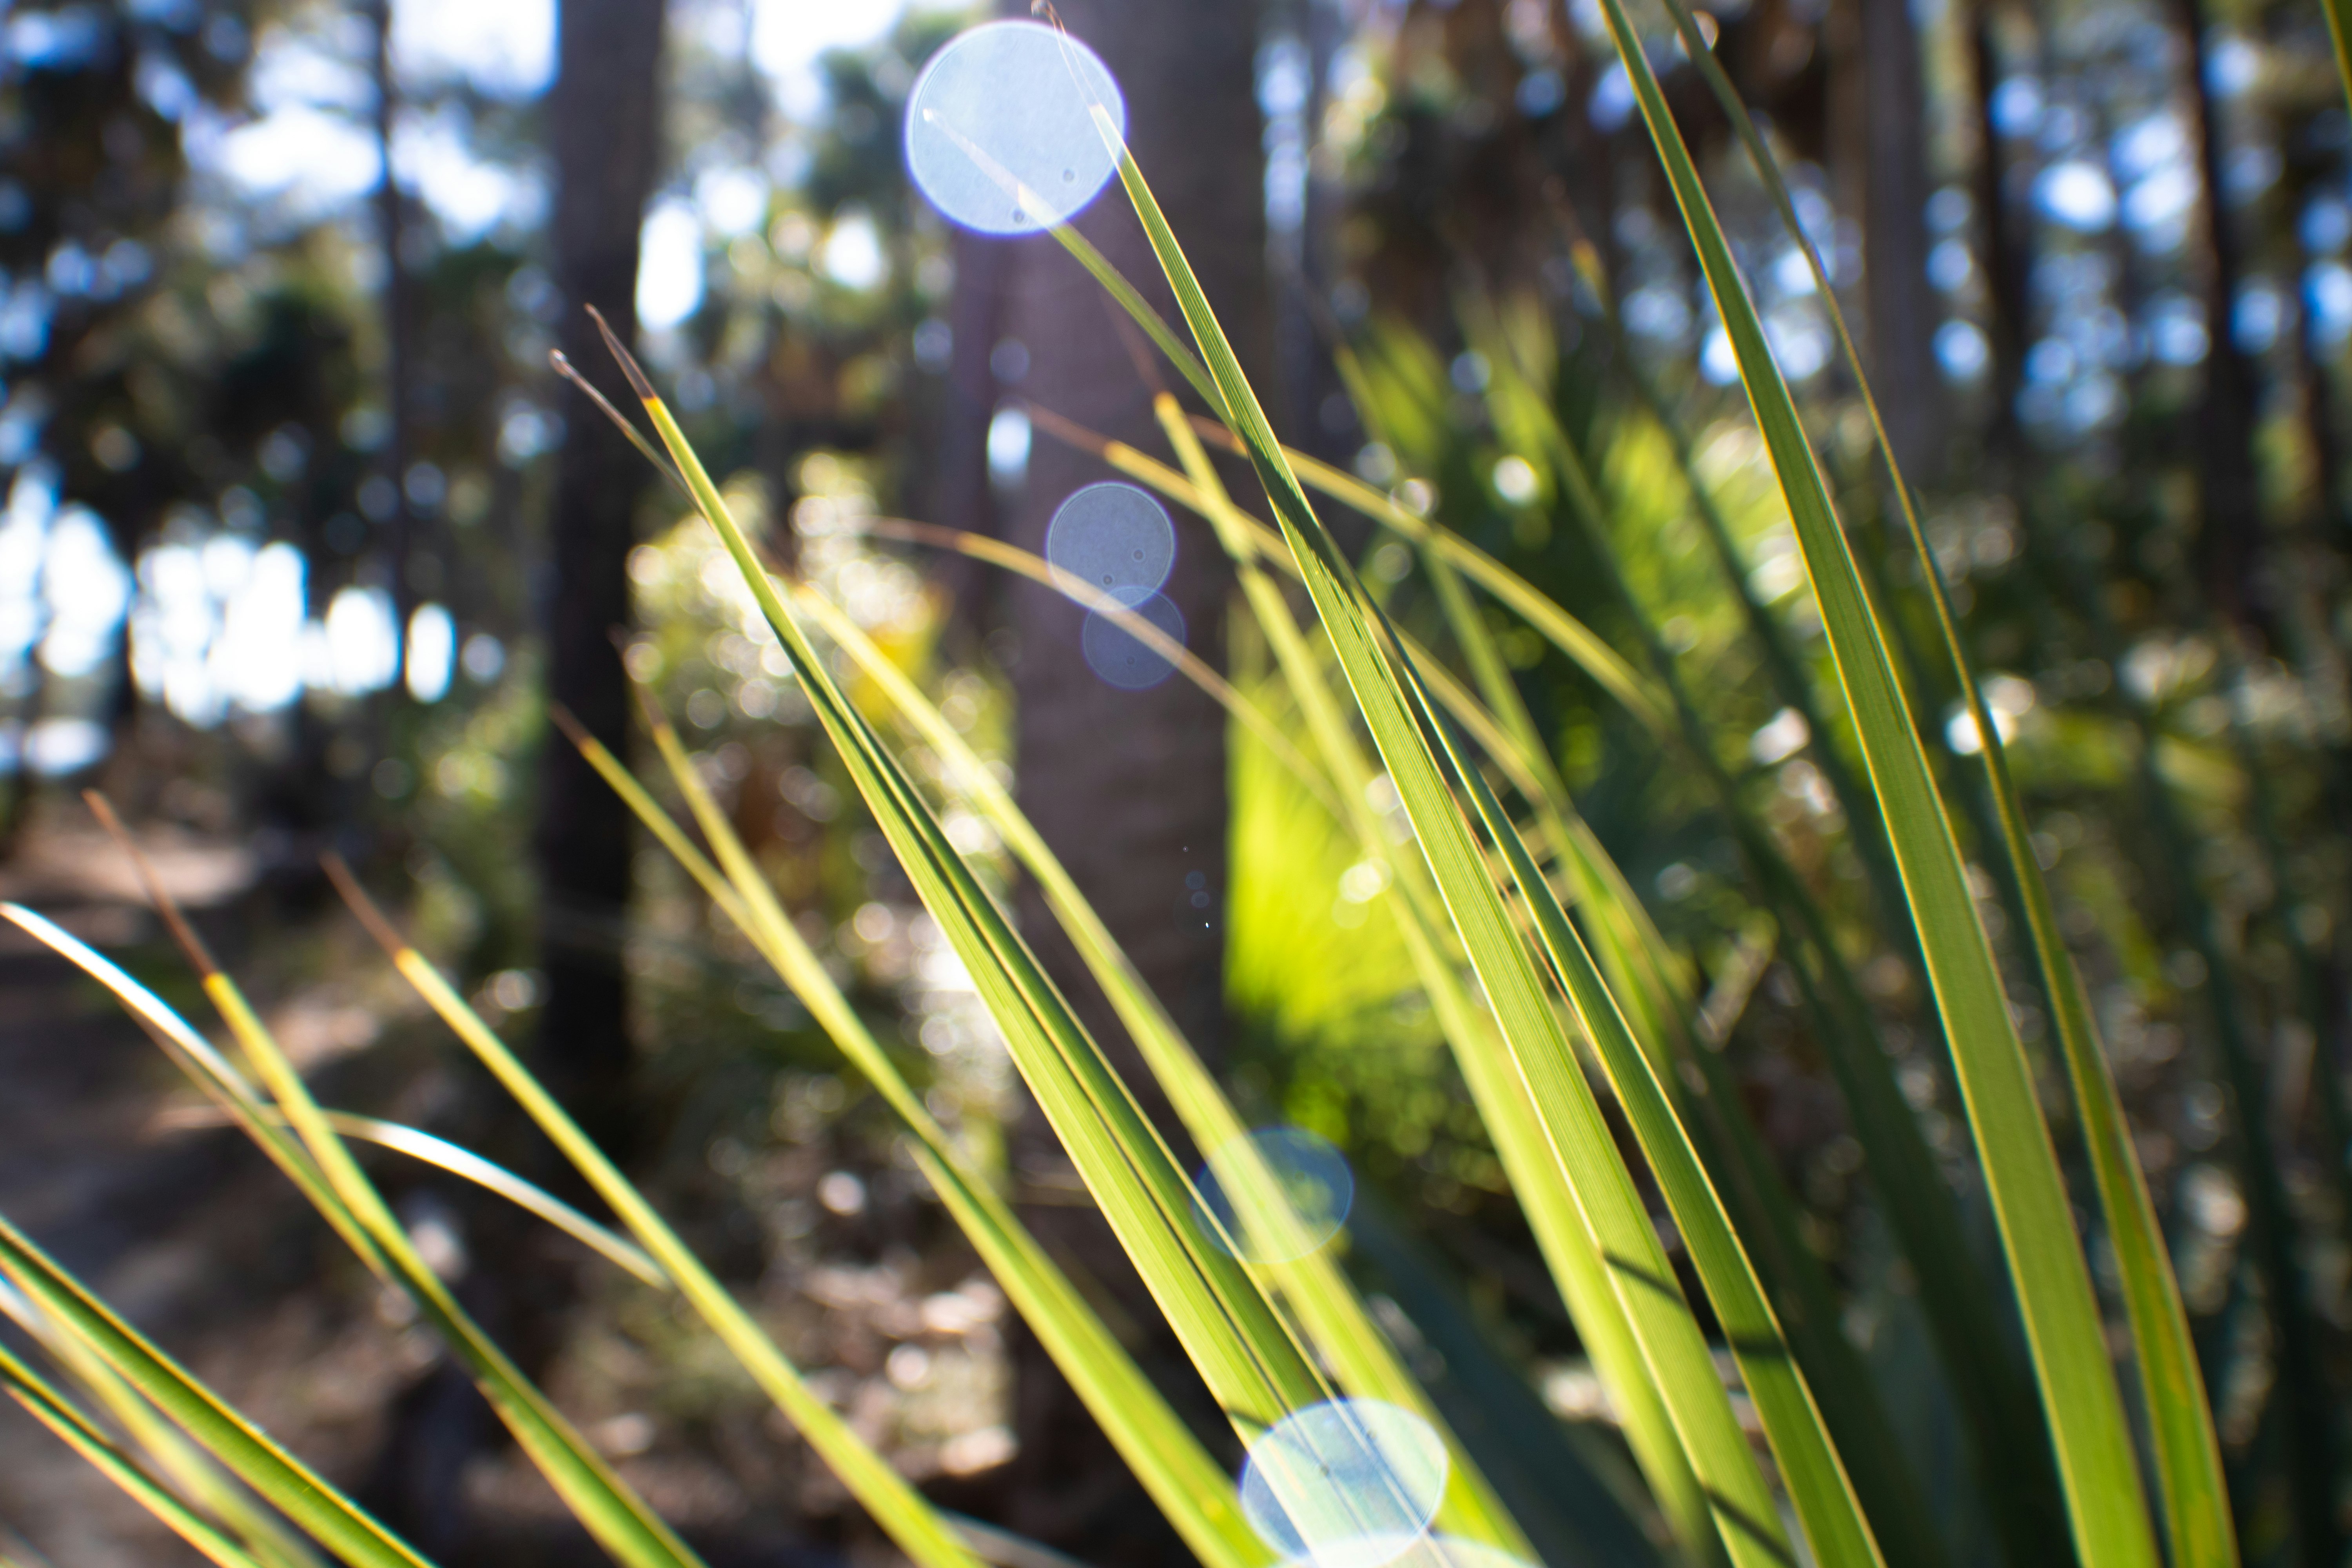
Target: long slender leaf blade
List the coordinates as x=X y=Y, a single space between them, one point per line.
x=1192 y=1491
x=2187 y=1448
x=610 y=1509
x=2112 y=1525
x=1545 y=1062
x=77 y=1431
x=1228 y=1329
x=284 y=1481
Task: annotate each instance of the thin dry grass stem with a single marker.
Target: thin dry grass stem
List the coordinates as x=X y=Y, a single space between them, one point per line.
x=386 y=934
x=562 y=365
x=182 y=932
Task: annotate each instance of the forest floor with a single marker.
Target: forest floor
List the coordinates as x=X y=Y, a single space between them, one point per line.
x=105 y=1160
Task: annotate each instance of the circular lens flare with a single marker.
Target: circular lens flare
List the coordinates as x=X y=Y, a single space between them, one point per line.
x=1273 y=1195
x=1349 y=1483
x=1124 y=659
x=1115 y=539
x=1001 y=133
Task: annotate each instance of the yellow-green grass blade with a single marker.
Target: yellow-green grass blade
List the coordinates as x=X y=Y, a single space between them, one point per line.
x=1992 y=1390
x=275 y=1474
x=1552 y=1212
x=605 y=1504
x=1584 y=648
x=1601 y=1186
x=1194 y=1494
x=1330 y=1313
x=1644 y=1074
x=79 y=1431
x=1228 y=1328
x=2097 y=1465
x=894 y=1504
x=2188 y=1449
x=207 y=1067
x=2339 y=33
x=1190 y=665
x=1646 y=978
x=1810 y=1470
x=193 y=1473
x=466 y=1165
x=1537 y=1181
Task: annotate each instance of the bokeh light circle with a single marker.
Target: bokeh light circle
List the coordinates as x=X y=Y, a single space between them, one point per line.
x=1124 y=659
x=1349 y=1483
x=1001 y=135
x=1423 y=1551
x=1312 y=1176
x=1115 y=539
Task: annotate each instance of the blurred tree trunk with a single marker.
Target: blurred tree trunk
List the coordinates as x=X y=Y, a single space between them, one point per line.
x=1127 y=786
x=2231 y=545
x=604 y=131
x=2003 y=238
x=1899 y=307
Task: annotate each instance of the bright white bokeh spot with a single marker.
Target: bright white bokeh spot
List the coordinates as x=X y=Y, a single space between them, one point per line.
x=853 y=256
x=432 y=652
x=1782 y=738
x=1349 y=1483
x=1312 y=1192
x=1001 y=135
x=669 y=266
x=314 y=160
x=1115 y=539
x=1121 y=657
x=1008 y=446
x=363 y=641
x=87 y=589
x=1516 y=481
x=56 y=746
x=2078 y=194
x=789 y=37
x=505 y=49
x=1961 y=349
x=256 y=664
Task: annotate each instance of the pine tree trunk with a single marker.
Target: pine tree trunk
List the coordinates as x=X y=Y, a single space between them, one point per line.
x=604 y=130
x=1127 y=786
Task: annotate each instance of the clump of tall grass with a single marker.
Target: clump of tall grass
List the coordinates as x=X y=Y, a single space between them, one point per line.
x=1560 y=999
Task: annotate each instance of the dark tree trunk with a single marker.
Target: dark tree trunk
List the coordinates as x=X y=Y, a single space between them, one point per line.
x=604 y=130
x=2005 y=263
x=1900 y=307
x=2231 y=545
x=399 y=527
x=1129 y=788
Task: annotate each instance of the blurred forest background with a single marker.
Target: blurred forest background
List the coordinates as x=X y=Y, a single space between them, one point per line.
x=303 y=537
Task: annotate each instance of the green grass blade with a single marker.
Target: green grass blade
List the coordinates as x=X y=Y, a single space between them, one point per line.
x=1330 y=1313
x=1228 y=1329
x=193 y=1475
x=1567 y=1245
x=466 y=1165
x=82 y=1435
x=2188 y=1450
x=275 y=1474
x=605 y=1504
x=895 y=1505
x=1810 y=1467
x=2339 y=33
x=1194 y=1494
x=1583 y=646
x=2097 y=1465
x=1539 y=1051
